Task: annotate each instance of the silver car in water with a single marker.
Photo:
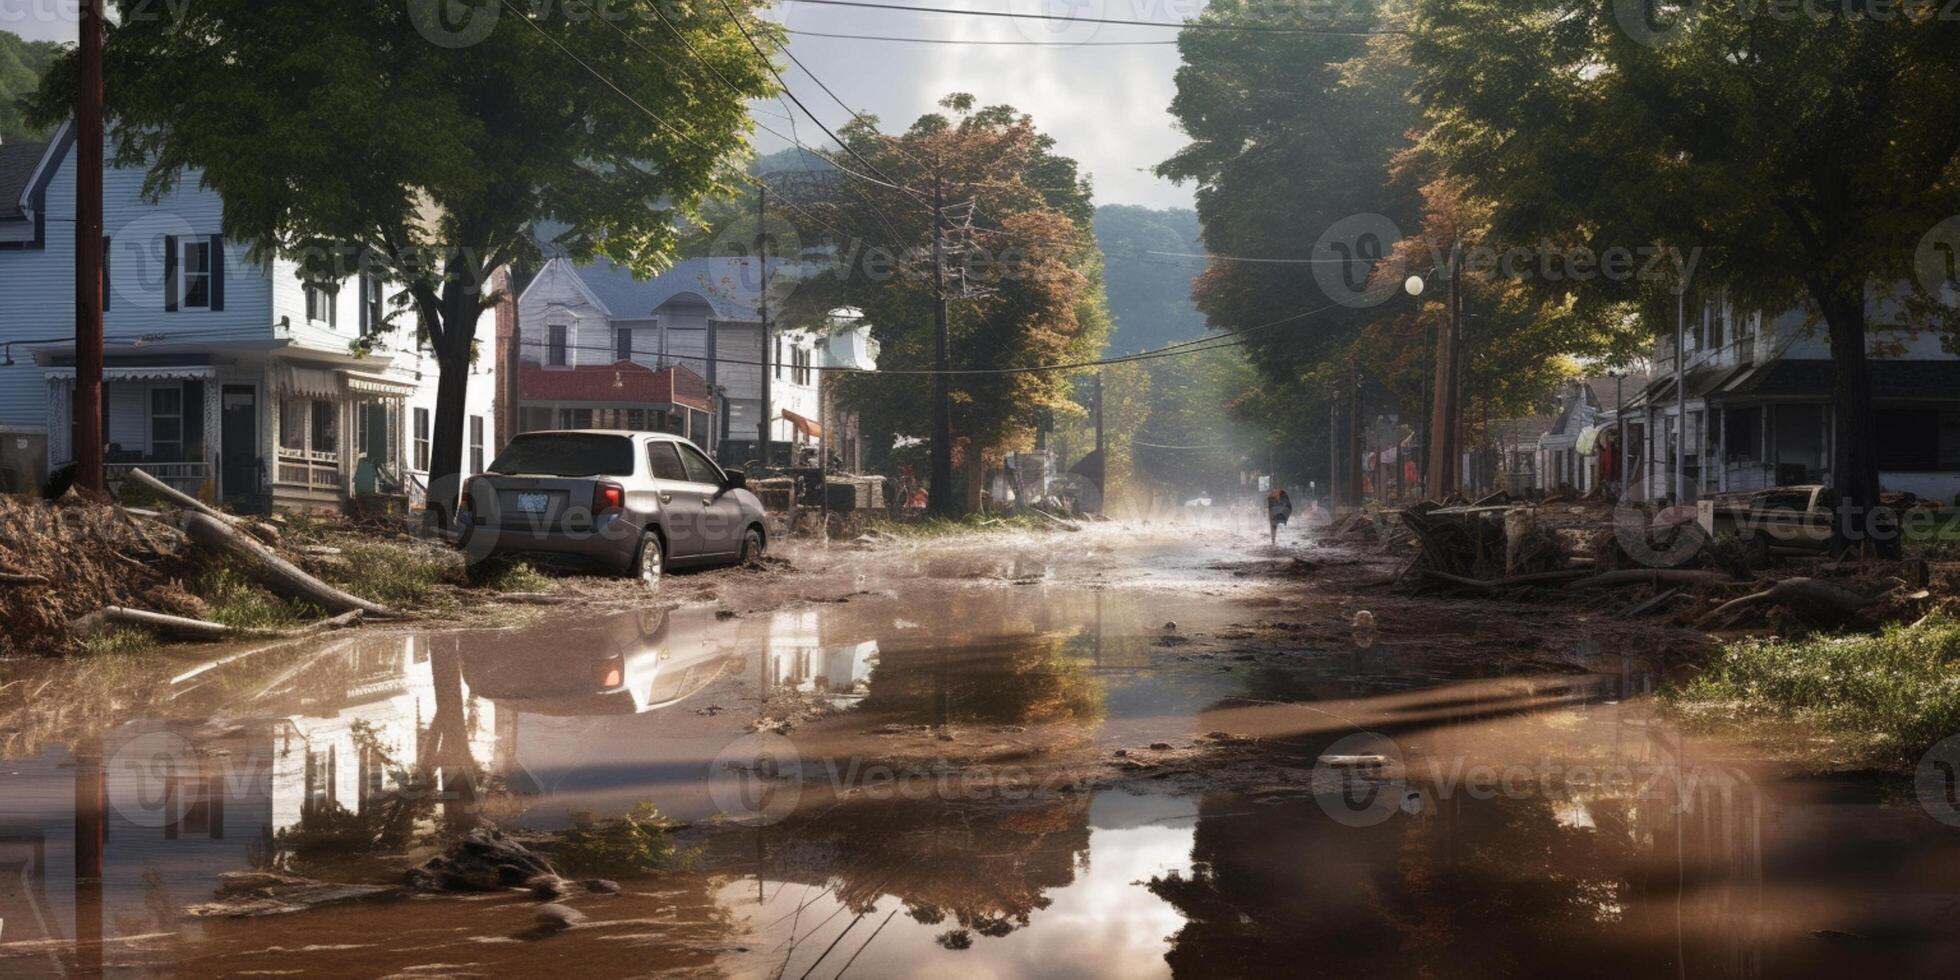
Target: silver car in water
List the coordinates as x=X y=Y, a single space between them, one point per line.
x=636 y=502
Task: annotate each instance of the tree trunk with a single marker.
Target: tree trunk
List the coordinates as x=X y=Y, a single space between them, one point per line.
x=453 y=355
x=1854 y=468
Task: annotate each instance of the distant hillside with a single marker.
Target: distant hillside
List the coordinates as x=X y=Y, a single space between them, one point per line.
x=1150 y=294
x=22 y=63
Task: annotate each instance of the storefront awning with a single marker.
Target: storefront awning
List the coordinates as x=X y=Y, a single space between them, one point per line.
x=144 y=372
x=372 y=384
x=806 y=426
x=306 y=382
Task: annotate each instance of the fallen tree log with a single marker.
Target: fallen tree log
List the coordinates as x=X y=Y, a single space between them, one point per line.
x=184 y=500
x=179 y=497
x=22 y=578
x=1512 y=581
x=103 y=618
x=276 y=573
x=1654 y=576
x=1794 y=591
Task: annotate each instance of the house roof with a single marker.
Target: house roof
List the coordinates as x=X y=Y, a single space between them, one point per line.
x=17 y=164
x=731 y=287
x=616 y=383
x=1520 y=431
x=1891 y=380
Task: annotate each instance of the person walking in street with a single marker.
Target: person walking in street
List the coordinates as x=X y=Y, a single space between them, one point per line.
x=1279 y=507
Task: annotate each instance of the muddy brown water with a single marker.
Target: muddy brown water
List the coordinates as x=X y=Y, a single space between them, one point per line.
x=939 y=759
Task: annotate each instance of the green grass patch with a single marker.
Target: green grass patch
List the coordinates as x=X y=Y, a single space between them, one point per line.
x=394 y=575
x=1886 y=696
x=515 y=576
x=641 y=841
x=234 y=600
x=119 y=639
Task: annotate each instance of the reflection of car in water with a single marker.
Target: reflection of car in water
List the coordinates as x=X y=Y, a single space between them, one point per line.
x=621 y=664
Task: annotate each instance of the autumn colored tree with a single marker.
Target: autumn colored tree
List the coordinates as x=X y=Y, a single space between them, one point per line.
x=1024 y=286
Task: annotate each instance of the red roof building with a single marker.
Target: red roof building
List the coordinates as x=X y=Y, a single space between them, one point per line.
x=621 y=395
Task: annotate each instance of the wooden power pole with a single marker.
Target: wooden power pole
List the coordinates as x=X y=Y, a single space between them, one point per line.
x=88 y=254
x=1444 y=424
x=942 y=500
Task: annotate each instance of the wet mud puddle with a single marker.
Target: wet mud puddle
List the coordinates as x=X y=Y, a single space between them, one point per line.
x=964 y=766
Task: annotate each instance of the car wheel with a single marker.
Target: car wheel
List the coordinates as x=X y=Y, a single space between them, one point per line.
x=1756 y=551
x=482 y=571
x=751 y=546
x=651 y=561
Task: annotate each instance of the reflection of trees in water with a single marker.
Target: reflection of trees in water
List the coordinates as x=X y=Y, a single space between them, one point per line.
x=1486 y=887
x=981 y=869
x=1025 y=680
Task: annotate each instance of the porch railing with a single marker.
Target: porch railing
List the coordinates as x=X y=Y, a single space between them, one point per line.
x=188 y=476
x=307 y=470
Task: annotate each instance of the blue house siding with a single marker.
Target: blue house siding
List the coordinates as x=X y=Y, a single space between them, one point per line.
x=37 y=286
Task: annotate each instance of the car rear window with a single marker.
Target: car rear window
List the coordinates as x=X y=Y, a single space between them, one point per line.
x=566 y=454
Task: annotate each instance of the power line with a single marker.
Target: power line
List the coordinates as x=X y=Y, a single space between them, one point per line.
x=979 y=43
x=848 y=148
x=1182 y=26
x=670 y=127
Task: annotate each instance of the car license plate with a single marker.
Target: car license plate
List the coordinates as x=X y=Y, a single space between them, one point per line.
x=533 y=503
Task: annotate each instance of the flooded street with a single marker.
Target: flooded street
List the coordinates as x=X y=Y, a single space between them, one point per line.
x=1116 y=753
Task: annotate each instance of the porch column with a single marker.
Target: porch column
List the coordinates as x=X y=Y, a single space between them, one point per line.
x=213 y=435
x=274 y=405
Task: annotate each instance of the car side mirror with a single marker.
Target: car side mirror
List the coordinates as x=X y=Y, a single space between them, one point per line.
x=737 y=480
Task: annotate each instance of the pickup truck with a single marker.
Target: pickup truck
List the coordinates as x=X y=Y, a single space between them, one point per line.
x=1780 y=520
x=1794 y=517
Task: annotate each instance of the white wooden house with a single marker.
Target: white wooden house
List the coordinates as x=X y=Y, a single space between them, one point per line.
x=1757 y=405
x=225 y=375
x=700 y=320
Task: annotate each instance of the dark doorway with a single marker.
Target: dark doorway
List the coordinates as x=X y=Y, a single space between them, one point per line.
x=238 y=448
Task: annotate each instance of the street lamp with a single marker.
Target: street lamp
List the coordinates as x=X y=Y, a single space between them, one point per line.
x=1412 y=285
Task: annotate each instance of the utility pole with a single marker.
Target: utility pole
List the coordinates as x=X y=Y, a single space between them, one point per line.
x=1680 y=393
x=941 y=500
x=1354 y=469
x=1440 y=472
x=1102 y=459
x=88 y=254
x=768 y=341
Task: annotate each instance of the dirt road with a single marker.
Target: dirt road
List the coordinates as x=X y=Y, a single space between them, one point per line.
x=1129 y=751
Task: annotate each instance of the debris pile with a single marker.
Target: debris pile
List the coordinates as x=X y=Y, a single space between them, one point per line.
x=61 y=562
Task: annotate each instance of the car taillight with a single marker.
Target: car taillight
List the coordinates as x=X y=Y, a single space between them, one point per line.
x=610 y=673
x=608 y=496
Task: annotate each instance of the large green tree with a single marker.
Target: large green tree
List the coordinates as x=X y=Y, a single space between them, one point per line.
x=22 y=63
x=426 y=138
x=1291 y=141
x=1808 y=155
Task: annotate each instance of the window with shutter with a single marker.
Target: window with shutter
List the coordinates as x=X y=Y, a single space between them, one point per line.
x=195 y=276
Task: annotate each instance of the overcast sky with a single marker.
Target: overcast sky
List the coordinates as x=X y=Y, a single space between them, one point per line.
x=1105 y=104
